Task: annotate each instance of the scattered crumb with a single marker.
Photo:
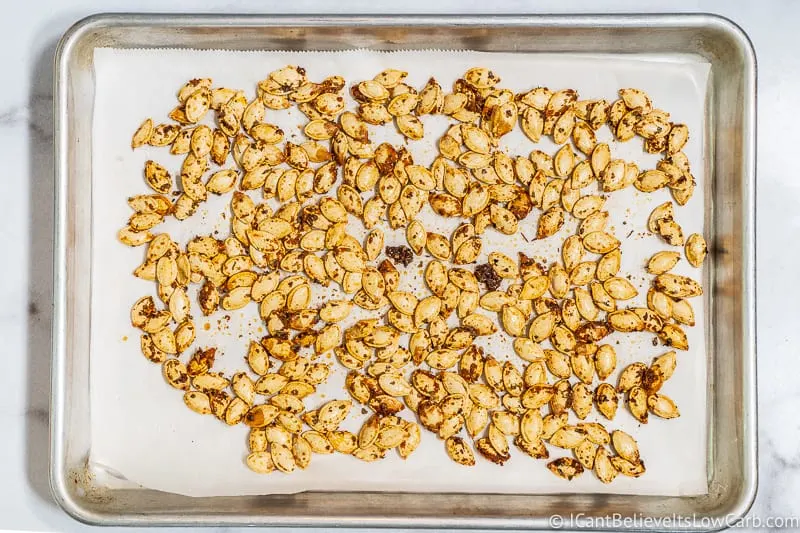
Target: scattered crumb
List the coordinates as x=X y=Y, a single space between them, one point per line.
x=487 y=275
x=400 y=254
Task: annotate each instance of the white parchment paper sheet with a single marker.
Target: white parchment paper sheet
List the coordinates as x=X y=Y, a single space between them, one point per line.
x=143 y=434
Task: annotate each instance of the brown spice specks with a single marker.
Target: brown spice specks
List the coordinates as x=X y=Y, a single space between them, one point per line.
x=487 y=275
x=400 y=254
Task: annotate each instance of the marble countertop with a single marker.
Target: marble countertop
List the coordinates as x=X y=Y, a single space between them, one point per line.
x=29 y=37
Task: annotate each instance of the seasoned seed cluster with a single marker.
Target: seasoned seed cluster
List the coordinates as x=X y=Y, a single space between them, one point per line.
x=417 y=351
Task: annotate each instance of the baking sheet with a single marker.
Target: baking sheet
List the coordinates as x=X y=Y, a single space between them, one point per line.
x=142 y=433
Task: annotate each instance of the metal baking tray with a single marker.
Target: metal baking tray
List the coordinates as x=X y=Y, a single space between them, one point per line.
x=730 y=182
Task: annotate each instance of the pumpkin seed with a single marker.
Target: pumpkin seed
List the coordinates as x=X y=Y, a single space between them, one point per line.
x=674 y=336
x=625 y=320
x=532 y=124
x=620 y=288
x=542 y=326
x=682 y=312
x=627 y=468
x=568 y=437
x=637 y=403
x=586 y=452
x=550 y=222
x=662 y=262
x=662 y=406
x=485 y=448
x=625 y=446
x=459 y=451
x=513 y=320
x=438 y=245
x=198 y=402
x=677 y=286
x=677 y=137
x=696 y=250
x=603 y=467
x=605 y=397
x=659 y=303
x=566 y=468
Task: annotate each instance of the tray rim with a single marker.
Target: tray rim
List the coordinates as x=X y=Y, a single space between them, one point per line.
x=97 y=22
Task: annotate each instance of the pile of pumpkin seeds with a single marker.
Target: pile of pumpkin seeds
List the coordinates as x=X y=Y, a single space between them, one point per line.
x=290 y=206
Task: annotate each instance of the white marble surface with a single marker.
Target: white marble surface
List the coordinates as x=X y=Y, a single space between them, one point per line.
x=30 y=30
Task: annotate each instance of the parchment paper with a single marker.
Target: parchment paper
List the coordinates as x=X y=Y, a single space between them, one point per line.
x=142 y=434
